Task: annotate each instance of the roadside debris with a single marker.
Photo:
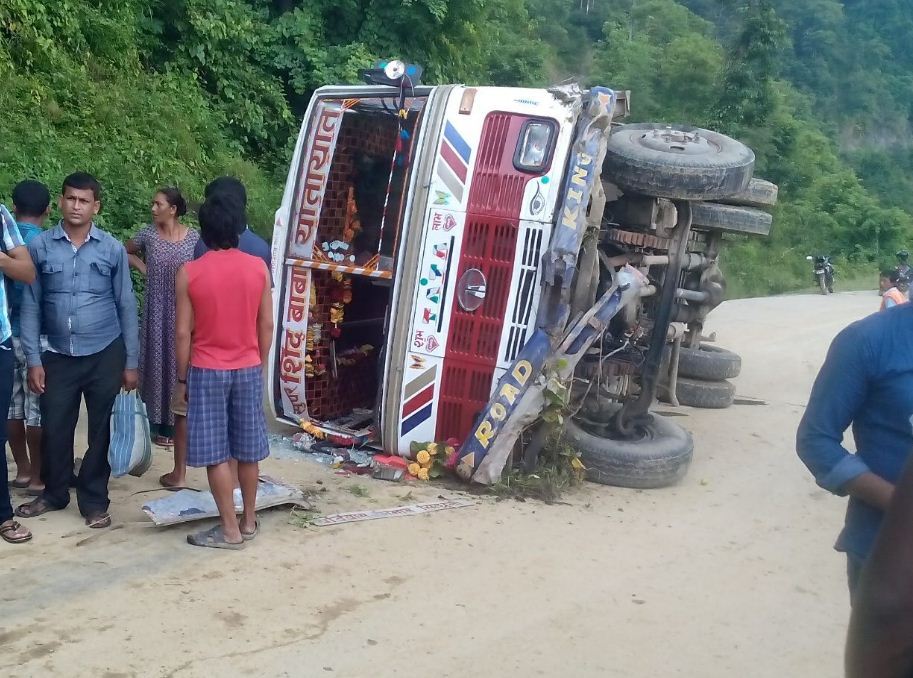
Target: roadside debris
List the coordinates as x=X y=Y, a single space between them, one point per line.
x=396 y=512
x=187 y=505
x=428 y=459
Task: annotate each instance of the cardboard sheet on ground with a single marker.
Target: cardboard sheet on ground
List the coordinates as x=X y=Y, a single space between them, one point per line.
x=396 y=512
x=184 y=506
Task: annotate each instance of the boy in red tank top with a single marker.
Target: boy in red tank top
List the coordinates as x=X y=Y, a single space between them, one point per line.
x=224 y=329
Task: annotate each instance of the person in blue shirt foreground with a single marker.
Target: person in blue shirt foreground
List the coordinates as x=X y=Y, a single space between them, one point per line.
x=31 y=207
x=867 y=382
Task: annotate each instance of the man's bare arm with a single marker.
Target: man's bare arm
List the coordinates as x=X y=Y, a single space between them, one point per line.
x=18 y=265
x=880 y=641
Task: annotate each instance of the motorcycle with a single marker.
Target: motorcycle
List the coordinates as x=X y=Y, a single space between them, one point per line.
x=824 y=273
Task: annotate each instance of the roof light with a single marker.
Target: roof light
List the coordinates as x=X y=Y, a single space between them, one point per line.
x=394 y=69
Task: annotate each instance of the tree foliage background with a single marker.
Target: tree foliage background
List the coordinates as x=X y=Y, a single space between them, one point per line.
x=152 y=92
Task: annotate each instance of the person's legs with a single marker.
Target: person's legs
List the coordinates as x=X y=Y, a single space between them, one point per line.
x=17 y=416
x=6 y=388
x=103 y=378
x=60 y=413
x=234 y=472
x=15 y=435
x=207 y=445
x=178 y=475
x=247 y=438
x=222 y=485
x=249 y=477
x=33 y=440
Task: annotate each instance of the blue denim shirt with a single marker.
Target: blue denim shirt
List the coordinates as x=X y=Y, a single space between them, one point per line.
x=82 y=299
x=866 y=381
x=15 y=289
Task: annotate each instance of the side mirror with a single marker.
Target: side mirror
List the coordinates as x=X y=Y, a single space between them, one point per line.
x=809 y=258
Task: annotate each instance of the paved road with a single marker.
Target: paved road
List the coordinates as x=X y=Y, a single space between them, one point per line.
x=731 y=573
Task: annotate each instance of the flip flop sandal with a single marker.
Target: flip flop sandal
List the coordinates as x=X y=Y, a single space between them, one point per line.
x=163 y=441
x=8 y=533
x=213 y=538
x=20 y=484
x=34 y=492
x=98 y=521
x=248 y=536
x=34 y=508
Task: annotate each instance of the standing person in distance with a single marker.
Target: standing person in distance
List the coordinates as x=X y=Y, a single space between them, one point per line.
x=224 y=330
x=893 y=290
x=164 y=245
x=31 y=207
x=82 y=299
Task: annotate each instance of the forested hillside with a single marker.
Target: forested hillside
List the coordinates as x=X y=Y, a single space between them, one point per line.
x=146 y=92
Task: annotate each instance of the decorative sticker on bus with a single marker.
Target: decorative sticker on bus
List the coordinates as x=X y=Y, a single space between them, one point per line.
x=312 y=180
x=292 y=347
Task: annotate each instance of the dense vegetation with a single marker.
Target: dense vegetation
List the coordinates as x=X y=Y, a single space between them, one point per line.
x=177 y=91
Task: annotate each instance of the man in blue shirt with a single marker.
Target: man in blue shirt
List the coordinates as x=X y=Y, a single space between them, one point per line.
x=248 y=241
x=82 y=299
x=31 y=206
x=866 y=381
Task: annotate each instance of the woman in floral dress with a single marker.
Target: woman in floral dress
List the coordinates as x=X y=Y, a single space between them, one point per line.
x=158 y=251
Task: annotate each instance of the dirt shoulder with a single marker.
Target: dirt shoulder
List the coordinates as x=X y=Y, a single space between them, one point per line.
x=729 y=573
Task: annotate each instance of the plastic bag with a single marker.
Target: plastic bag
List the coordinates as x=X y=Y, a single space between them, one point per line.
x=130 y=449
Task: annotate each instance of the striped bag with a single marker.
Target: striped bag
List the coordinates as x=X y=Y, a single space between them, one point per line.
x=130 y=449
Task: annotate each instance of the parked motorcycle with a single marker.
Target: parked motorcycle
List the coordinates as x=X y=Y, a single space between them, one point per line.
x=824 y=273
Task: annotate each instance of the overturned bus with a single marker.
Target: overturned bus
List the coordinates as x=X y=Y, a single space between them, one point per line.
x=442 y=254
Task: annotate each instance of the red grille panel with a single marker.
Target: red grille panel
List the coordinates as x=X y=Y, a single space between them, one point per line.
x=489 y=244
x=464 y=392
x=497 y=186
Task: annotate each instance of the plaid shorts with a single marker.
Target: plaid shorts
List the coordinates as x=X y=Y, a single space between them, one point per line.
x=225 y=417
x=24 y=405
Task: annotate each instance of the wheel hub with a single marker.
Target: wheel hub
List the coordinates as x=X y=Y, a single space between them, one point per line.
x=678 y=142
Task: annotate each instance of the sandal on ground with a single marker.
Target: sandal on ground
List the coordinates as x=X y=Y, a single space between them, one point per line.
x=34 y=508
x=13 y=533
x=34 y=491
x=163 y=441
x=20 y=484
x=213 y=538
x=98 y=520
x=248 y=536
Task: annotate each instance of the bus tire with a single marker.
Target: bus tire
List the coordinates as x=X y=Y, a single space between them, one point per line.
x=660 y=457
x=659 y=160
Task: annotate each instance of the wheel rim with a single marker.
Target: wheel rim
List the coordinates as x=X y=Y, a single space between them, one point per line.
x=676 y=142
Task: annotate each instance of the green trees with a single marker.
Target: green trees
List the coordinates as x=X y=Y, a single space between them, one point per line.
x=146 y=92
